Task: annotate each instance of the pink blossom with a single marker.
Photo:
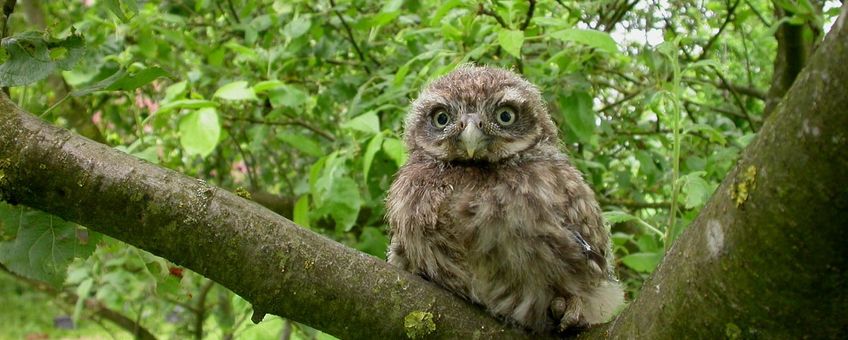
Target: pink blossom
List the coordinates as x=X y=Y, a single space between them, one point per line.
x=151 y=105
x=88 y=3
x=240 y=167
x=97 y=117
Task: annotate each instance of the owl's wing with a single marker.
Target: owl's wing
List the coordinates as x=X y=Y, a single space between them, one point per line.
x=591 y=253
x=582 y=219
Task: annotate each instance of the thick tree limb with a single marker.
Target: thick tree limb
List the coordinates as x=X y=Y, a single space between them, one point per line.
x=279 y=267
x=766 y=257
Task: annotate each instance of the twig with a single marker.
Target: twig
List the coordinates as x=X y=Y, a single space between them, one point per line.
x=633 y=204
x=748 y=91
x=292 y=121
x=627 y=96
x=8 y=8
x=201 y=309
x=730 y=14
x=617 y=15
x=727 y=112
x=350 y=37
x=765 y=22
x=223 y=12
x=247 y=163
x=529 y=17
x=233 y=11
x=736 y=98
x=482 y=10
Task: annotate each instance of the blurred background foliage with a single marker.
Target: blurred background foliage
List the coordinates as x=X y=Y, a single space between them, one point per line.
x=299 y=106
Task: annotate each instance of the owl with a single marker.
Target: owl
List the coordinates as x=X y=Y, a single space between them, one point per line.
x=489 y=207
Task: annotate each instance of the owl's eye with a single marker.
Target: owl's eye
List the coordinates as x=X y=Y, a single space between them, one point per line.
x=506 y=115
x=440 y=119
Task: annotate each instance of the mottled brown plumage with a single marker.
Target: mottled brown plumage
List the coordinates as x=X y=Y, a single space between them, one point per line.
x=488 y=207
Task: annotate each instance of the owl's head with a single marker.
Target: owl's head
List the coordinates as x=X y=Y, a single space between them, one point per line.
x=478 y=114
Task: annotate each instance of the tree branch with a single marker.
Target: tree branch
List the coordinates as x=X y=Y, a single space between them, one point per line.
x=482 y=10
x=730 y=12
x=350 y=37
x=529 y=17
x=279 y=267
x=292 y=121
x=200 y=315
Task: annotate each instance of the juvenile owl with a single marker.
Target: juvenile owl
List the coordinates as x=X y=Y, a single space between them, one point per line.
x=488 y=207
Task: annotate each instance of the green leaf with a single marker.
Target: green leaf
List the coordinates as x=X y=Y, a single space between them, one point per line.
x=132 y=81
x=578 y=115
x=122 y=80
x=186 y=104
x=373 y=146
x=614 y=217
x=511 y=41
x=373 y=241
x=396 y=150
x=592 y=38
x=302 y=143
x=696 y=190
x=367 y=122
x=342 y=202
x=288 y=96
x=642 y=262
x=114 y=6
x=44 y=247
x=265 y=86
x=83 y=291
x=443 y=10
x=297 y=27
x=199 y=132
x=300 y=216
x=237 y=90
x=261 y=23
x=175 y=91
x=32 y=56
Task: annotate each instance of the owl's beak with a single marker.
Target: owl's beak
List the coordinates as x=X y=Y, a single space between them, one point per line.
x=472 y=138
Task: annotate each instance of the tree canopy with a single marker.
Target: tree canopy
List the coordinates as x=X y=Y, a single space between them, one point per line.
x=299 y=106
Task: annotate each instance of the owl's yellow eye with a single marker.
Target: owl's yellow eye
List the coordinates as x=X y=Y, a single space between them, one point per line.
x=506 y=115
x=440 y=119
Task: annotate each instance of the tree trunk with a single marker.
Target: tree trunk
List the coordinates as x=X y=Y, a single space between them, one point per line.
x=764 y=259
x=795 y=44
x=766 y=256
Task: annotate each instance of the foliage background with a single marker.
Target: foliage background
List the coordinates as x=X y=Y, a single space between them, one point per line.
x=299 y=105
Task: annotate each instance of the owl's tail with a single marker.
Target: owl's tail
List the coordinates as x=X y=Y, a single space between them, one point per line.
x=600 y=304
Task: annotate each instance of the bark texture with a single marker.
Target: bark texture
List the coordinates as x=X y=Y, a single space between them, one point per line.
x=766 y=258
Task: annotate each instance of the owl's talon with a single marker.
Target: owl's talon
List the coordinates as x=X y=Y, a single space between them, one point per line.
x=558 y=307
x=572 y=316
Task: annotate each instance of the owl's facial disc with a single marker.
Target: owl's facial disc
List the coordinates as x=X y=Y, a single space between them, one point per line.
x=472 y=138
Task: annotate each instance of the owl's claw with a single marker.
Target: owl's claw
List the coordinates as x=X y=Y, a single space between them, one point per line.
x=569 y=313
